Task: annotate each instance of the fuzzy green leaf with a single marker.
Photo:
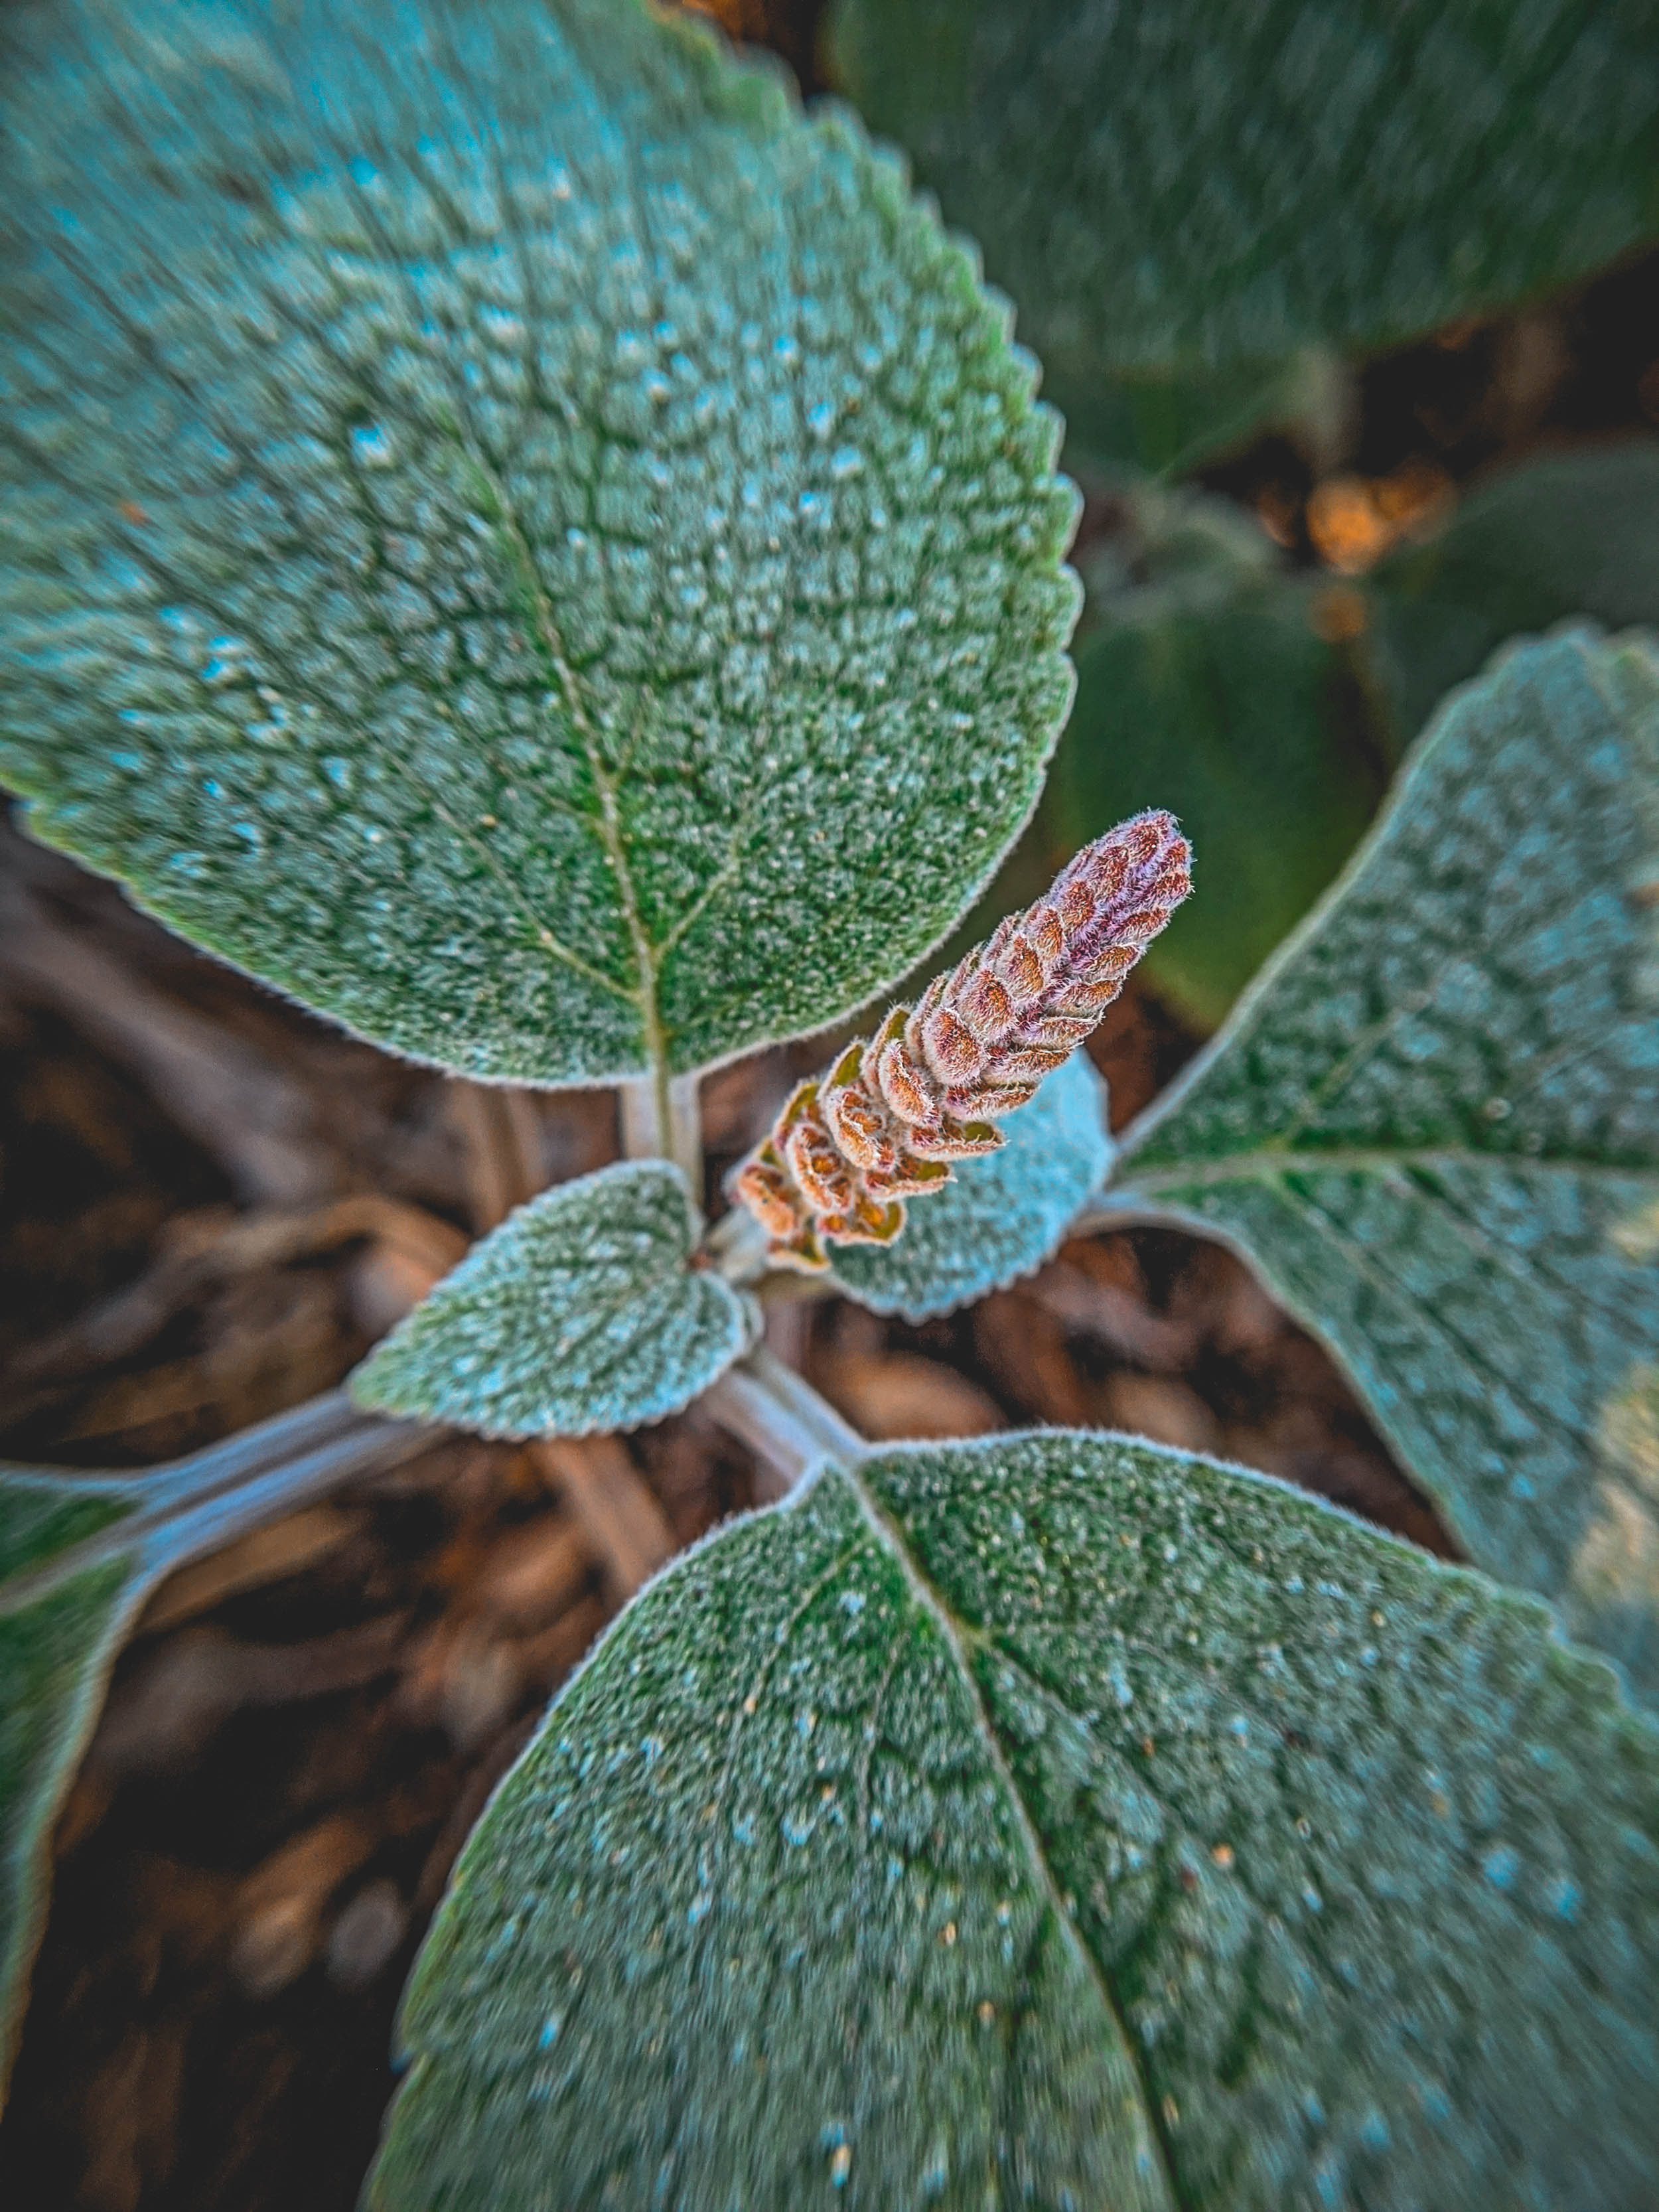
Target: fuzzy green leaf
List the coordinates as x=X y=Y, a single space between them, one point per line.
x=510 y=533
x=57 y=1643
x=1058 y=1820
x=999 y=1216
x=1240 y=718
x=582 y=1312
x=1433 y=1125
x=1572 y=534
x=1186 y=183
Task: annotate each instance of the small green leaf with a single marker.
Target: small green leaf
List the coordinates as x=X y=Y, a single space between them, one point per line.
x=1061 y=1821
x=1246 y=724
x=57 y=1639
x=1573 y=534
x=1197 y=185
x=510 y=531
x=1433 y=1124
x=999 y=1216
x=582 y=1312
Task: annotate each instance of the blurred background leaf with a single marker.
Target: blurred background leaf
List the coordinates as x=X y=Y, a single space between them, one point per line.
x=1177 y=188
x=1214 y=225
x=1219 y=684
x=1573 y=533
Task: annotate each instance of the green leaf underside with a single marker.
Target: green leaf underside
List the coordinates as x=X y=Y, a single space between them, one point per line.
x=999 y=1216
x=1173 y=186
x=1059 y=1821
x=1433 y=1125
x=582 y=1312
x=1572 y=534
x=1236 y=716
x=55 y=1655
x=511 y=533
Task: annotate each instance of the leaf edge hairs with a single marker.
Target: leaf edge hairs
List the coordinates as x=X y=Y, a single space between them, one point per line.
x=884 y=1125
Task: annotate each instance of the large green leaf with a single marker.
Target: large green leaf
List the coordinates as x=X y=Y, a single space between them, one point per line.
x=999 y=1216
x=1573 y=534
x=1246 y=724
x=510 y=533
x=1186 y=183
x=582 y=1312
x=1433 y=1125
x=1061 y=1821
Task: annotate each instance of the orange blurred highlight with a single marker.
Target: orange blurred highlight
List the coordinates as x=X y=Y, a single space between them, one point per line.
x=1337 y=613
x=1353 y=521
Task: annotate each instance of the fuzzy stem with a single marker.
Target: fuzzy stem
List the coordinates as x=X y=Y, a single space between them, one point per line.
x=739 y=1247
x=218 y=1518
x=685 y=1131
x=781 y=1417
x=195 y=1505
x=661 y=1119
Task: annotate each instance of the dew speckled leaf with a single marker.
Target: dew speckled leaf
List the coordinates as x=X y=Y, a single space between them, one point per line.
x=1433 y=1124
x=511 y=533
x=56 y=1647
x=1571 y=534
x=999 y=1216
x=1190 y=184
x=1059 y=1820
x=582 y=1312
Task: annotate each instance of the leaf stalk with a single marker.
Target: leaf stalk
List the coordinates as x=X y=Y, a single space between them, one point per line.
x=783 y=1419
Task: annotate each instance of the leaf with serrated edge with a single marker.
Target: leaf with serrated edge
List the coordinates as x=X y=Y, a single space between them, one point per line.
x=1433 y=1126
x=1185 y=186
x=56 y=1648
x=999 y=1216
x=511 y=533
x=582 y=1312
x=1059 y=1820
x=1571 y=535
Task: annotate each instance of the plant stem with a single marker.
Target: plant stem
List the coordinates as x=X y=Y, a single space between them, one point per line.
x=661 y=1119
x=193 y=1505
x=779 y=1415
x=738 y=1247
x=212 y=1520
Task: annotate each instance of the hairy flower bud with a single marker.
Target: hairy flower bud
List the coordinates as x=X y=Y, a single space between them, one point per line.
x=892 y=1113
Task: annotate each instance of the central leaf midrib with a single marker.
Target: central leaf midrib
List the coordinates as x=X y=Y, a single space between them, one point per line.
x=607 y=822
x=932 y=1603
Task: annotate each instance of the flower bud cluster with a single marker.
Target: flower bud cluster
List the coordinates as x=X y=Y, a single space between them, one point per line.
x=895 y=1111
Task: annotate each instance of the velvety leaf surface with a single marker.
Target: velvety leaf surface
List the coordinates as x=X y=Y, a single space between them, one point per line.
x=1573 y=534
x=1238 y=717
x=1198 y=184
x=1433 y=1125
x=582 y=1312
x=509 y=531
x=999 y=1216
x=55 y=1646
x=1061 y=1821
